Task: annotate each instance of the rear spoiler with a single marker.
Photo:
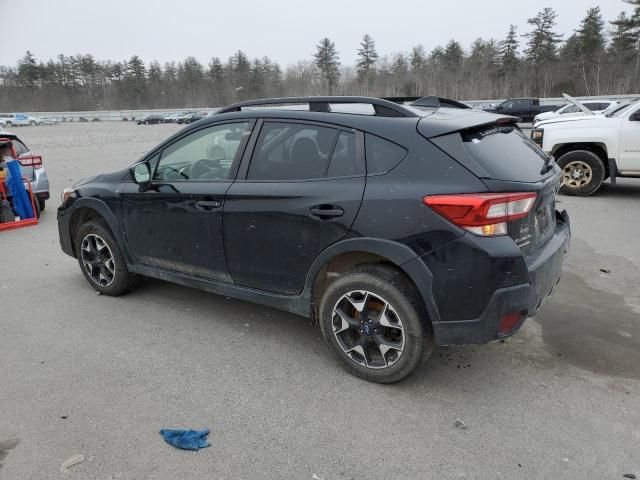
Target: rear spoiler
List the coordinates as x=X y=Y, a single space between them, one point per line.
x=428 y=101
x=443 y=122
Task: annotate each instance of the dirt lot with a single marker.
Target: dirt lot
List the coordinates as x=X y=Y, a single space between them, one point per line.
x=99 y=376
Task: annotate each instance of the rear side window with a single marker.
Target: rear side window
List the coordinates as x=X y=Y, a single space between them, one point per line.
x=505 y=153
x=292 y=151
x=343 y=160
x=382 y=155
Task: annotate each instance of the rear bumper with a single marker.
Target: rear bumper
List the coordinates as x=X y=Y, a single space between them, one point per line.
x=542 y=274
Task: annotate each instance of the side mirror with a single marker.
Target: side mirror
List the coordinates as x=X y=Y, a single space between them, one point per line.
x=141 y=174
x=635 y=117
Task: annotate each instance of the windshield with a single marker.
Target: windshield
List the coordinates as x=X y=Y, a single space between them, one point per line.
x=622 y=109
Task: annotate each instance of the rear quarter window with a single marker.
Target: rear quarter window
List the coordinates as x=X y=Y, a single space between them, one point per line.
x=382 y=155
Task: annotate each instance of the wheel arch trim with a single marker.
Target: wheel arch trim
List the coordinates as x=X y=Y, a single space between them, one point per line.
x=107 y=215
x=401 y=256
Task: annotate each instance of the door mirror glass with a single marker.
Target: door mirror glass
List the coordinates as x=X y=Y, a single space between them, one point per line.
x=141 y=173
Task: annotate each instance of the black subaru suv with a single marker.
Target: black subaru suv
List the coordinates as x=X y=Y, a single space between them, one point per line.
x=397 y=227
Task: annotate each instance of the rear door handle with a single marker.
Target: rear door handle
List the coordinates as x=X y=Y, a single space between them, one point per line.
x=208 y=204
x=326 y=212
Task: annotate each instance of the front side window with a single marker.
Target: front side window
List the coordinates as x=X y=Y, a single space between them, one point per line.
x=203 y=155
x=292 y=151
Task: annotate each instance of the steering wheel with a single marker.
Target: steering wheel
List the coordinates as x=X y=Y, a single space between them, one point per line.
x=206 y=168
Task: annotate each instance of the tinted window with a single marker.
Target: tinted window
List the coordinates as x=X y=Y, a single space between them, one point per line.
x=571 y=109
x=505 y=153
x=382 y=155
x=343 y=160
x=291 y=151
x=203 y=155
x=20 y=147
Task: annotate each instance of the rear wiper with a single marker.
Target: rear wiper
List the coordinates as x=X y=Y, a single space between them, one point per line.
x=548 y=165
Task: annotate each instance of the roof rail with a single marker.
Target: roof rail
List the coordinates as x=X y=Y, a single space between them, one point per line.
x=382 y=107
x=428 y=101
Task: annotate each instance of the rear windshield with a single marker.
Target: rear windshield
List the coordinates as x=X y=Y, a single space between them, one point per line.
x=505 y=153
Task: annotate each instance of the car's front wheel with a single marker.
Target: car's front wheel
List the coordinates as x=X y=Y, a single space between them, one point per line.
x=582 y=172
x=372 y=320
x=32 y=123
x=101 y=260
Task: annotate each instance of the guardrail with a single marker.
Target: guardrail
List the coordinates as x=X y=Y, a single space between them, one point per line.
x=120 y=115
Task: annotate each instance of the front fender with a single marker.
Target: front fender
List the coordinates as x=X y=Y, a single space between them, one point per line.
x=106 y=213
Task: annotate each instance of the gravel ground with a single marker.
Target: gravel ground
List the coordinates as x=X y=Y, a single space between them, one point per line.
x=99 y=376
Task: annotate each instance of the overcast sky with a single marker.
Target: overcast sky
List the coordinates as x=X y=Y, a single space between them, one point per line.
x=285 y=30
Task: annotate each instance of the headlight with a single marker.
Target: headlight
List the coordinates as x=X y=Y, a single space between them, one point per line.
x=66 y=194
x=536 y=135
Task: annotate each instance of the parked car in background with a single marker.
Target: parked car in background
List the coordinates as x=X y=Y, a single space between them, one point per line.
x=592 y=148
x=8 y=120
x=49 y=120
x=150 y=120
x=182 y=118
x=525 y=108
x=573 y=110
x=398 y=230
x=194 y=117
x=172 y=118
x=34 y=171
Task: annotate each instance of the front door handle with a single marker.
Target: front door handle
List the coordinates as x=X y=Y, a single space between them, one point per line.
x=325 y=212
x=208 y=204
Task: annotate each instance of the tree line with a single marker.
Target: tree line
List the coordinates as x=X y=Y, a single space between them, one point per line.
x=598 y=58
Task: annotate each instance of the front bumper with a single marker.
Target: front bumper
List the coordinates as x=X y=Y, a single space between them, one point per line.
x=64 y=231
x=543 y=272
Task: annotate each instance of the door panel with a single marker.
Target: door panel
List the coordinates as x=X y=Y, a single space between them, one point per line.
x=629 y=153
x=271 y=234
x=285 y=211
x=177 y=224
x=177 y=227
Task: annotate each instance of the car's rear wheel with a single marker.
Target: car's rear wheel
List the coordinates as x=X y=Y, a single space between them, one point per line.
x=101 y=260
x=8 y=124
x=32 y=123
x=372 y=320
x=582 y=172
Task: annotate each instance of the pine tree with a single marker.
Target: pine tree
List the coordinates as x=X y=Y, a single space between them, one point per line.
x=542 y=49
x=509 y=53
x=367 y=57
x=28 y=73
x=328 y=63
x=590 y=39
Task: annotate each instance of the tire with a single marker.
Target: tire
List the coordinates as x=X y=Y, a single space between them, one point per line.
x=8 y=124
x=401 y=333
x=37 y=207
x=41 y=204
x=32 y=123
x=583 y=173
x=110 y=278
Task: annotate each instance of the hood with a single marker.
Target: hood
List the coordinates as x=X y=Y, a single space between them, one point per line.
x=563 y=119
x=570 y=99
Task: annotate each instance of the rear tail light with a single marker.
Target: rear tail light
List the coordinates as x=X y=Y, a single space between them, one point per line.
x=483 y=214
x=34 y=161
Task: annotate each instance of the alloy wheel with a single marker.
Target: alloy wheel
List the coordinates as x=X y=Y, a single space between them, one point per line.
x=98 y=260
x=368 y=329
x=576 y=174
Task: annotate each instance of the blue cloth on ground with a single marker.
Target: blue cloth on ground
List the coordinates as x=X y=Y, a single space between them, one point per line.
x=186 y=439
x=20 y=201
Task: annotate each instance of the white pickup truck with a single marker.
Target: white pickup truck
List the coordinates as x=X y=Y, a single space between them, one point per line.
x=592 y=148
